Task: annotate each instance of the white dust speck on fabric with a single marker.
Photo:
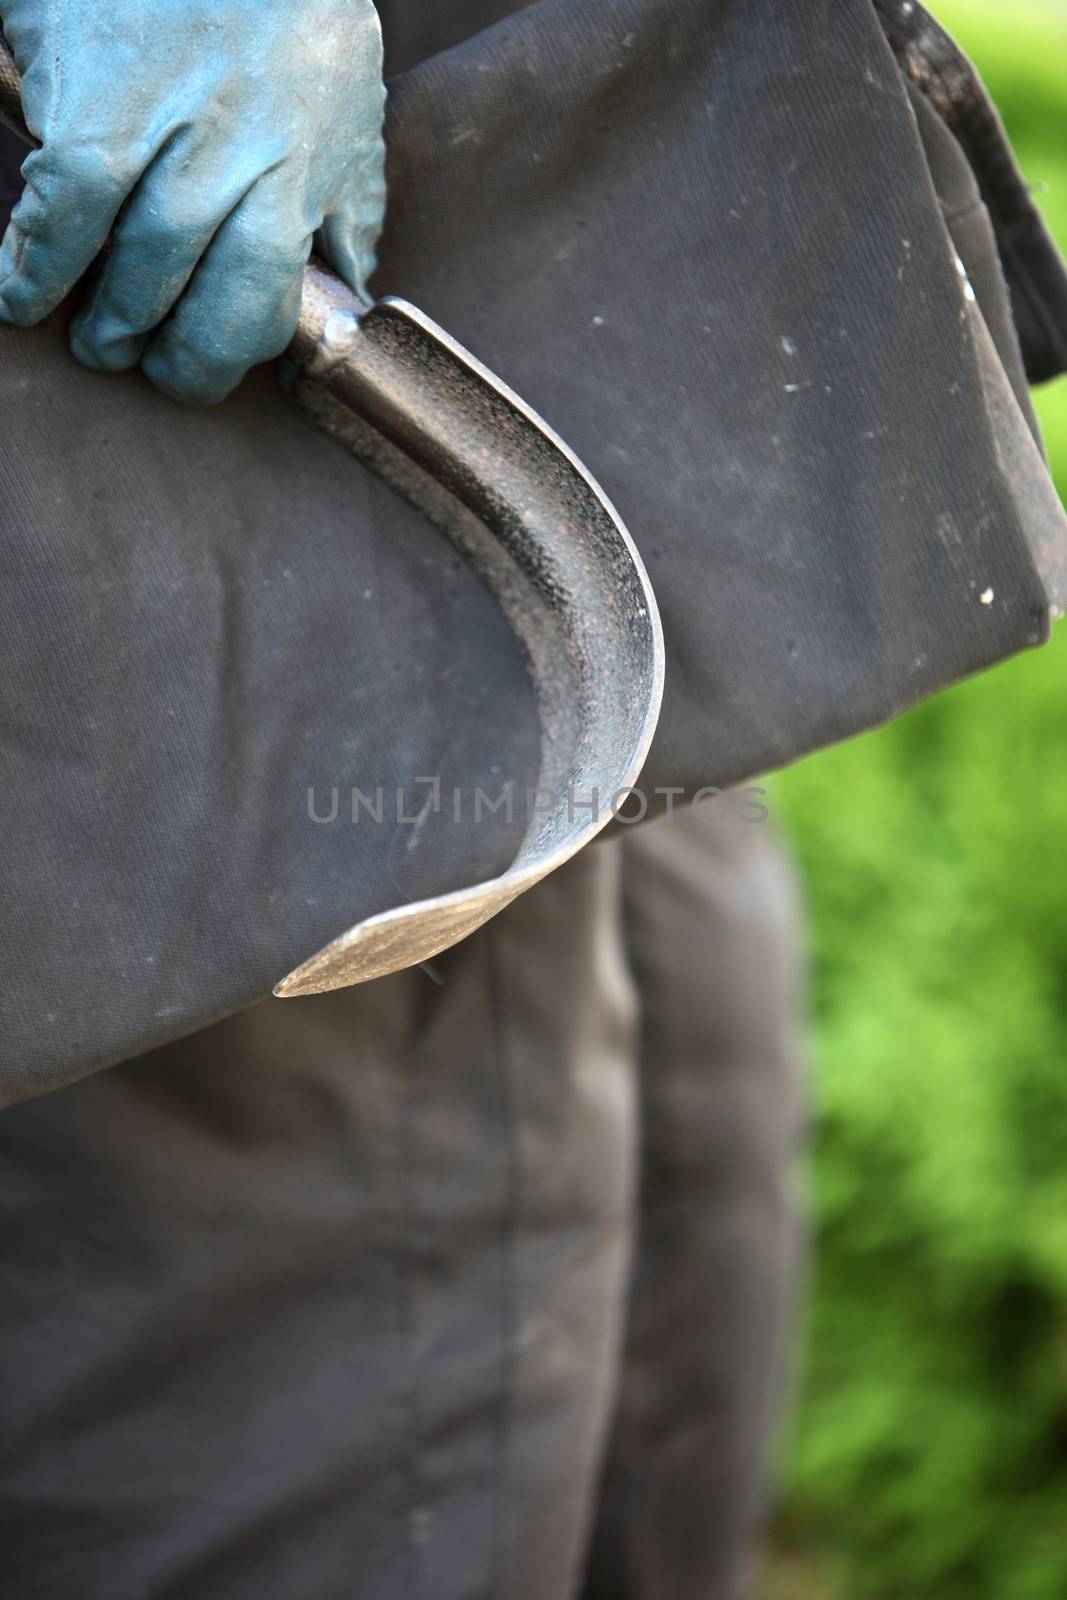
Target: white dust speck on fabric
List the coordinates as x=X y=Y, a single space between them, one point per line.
x=598 y=322
x=986 y=597
x=789 y=345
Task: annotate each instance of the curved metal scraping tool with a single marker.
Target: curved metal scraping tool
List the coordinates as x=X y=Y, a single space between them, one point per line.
x=408 y=400
x=424 y=414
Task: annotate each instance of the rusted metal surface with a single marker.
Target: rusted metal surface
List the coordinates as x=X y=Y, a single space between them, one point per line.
x=410 y=403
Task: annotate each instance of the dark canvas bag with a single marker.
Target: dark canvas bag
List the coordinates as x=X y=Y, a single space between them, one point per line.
x=748 y=258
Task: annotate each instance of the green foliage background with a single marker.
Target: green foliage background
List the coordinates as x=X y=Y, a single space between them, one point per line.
x=928 y=1456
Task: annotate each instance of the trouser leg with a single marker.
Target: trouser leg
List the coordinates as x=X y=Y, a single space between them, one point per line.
x=710 y=927
x=327 y=1300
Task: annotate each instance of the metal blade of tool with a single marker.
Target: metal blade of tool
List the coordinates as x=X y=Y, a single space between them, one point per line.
x=410 y=403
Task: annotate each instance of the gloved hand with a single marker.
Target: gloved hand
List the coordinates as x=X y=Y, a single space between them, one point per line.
x=215 y=137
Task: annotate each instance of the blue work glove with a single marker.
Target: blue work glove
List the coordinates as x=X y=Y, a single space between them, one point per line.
x=215 y=137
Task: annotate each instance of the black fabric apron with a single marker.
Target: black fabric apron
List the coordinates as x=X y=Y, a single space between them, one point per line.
x=715 y=244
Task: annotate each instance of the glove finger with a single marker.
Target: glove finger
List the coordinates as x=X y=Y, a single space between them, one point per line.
x=242 y=303
x=349 y=234
x=160 y=238
x=349 y=243
x=59 y=226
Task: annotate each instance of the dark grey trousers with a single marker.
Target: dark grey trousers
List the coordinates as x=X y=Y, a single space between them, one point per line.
x=445 y=1288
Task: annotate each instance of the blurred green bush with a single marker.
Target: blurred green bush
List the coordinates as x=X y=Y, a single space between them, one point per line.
x=928 y=1457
